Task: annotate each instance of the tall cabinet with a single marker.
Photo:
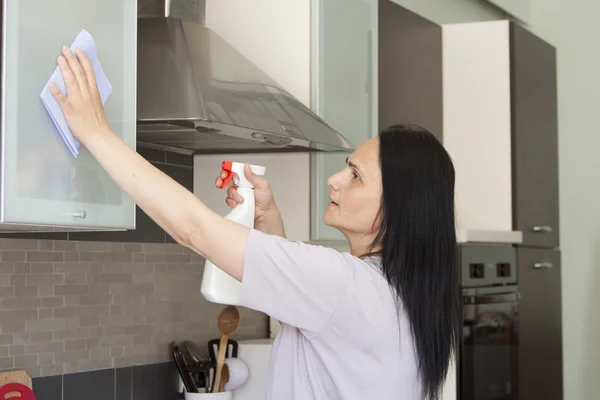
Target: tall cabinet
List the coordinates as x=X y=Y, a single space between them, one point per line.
x=535 y=201
x=43 y=186
x=500 y=126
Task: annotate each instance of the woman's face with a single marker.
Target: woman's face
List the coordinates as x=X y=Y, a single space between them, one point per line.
x=355 y=193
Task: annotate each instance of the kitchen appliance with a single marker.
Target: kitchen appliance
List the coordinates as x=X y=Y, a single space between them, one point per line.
x=217 y=285
x=197 y=94
x=256 y=354
x=488 y=357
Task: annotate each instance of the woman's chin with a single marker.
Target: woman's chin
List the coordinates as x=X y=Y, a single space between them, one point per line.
x=328 y=219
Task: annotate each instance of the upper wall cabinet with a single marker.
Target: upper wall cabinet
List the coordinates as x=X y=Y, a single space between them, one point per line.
x=500 y=126
x=535 y=138
x=344 y=88
x=43 y=186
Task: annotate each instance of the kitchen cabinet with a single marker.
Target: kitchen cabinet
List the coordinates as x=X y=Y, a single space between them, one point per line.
x=177 y=166
x=534 y=138
x=540 y=324
x=500 y=127
x=45 y=188
x=344 y=88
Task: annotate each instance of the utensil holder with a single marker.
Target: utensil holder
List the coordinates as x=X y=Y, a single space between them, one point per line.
x=209 y=396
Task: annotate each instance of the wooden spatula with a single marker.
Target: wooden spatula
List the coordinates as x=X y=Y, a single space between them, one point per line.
x=228 y=322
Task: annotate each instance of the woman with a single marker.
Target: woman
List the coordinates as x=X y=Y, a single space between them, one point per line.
x=379 y=323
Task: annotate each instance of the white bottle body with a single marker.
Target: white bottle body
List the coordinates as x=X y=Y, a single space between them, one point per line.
x=218 y=286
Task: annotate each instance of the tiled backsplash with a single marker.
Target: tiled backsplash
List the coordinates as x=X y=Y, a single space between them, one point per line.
x=77 y=306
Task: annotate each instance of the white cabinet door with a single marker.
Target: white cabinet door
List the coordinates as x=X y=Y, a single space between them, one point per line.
x=42 y=183
x=344 y=75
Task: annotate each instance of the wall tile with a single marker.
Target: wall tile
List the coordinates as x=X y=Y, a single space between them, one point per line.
x=119 y=308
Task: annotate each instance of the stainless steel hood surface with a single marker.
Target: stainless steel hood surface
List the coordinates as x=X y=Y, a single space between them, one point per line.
x=197 y=94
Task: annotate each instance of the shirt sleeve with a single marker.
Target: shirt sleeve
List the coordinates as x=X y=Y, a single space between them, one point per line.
x=299 y=284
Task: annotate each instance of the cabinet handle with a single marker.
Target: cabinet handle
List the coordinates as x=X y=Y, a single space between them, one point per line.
x=542 y=228
x=79 y=214
x=540 y=265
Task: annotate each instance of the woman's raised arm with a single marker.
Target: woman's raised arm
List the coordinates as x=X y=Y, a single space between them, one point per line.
x=180 y=213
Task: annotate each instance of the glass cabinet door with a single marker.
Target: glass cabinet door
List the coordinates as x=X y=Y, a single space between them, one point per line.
x=42 y=183
x=344 y=89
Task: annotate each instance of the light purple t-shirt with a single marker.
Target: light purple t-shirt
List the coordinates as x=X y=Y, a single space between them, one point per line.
x=343 y=337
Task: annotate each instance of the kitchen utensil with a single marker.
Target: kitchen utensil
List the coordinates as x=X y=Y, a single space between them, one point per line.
x=227 y=323
x=224 y=377
x=17 y=376
x=188 y=383
x=230 y=351
x=203 y=369
x=17 y=391
x=198 y=362
x=238 y=373
x=193 y=350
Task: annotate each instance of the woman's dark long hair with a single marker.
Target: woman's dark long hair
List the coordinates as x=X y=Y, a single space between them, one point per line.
x=417 y=244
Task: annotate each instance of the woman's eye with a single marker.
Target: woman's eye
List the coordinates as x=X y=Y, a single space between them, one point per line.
x=355 y=176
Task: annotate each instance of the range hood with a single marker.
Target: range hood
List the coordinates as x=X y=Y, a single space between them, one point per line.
x=197 y=94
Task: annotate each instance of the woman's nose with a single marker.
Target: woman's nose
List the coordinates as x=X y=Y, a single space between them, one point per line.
x=334 y=182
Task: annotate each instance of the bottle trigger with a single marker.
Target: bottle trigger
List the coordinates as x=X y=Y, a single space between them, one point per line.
x=228 y=167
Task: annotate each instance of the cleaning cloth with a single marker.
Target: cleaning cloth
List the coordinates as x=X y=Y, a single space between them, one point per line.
x=85 y=42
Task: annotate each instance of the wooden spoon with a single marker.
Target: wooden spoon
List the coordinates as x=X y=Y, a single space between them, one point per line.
x=224 y=377
x=227 y=322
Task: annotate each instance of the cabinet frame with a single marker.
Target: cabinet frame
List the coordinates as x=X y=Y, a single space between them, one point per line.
x=318 y=161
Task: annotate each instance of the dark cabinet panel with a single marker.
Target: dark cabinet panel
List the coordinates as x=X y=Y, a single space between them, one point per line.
x=410 y=69
x=540 y=324
x=92 y=385
x=534 y=138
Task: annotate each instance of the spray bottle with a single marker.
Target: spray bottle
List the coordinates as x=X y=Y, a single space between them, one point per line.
x=218 y=286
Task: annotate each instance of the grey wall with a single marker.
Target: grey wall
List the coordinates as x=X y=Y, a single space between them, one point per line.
x=573 y=27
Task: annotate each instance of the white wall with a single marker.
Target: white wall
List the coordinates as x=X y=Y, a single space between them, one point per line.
x=573 y=27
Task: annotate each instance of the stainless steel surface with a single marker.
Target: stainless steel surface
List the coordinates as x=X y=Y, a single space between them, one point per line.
x=542 y=228
x=540 y=265
x=490 y=299
x=199 y=95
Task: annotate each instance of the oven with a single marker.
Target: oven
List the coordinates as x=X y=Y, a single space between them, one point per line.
x=488 y=356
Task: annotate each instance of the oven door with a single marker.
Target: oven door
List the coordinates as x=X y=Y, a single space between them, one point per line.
x=489 y=346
